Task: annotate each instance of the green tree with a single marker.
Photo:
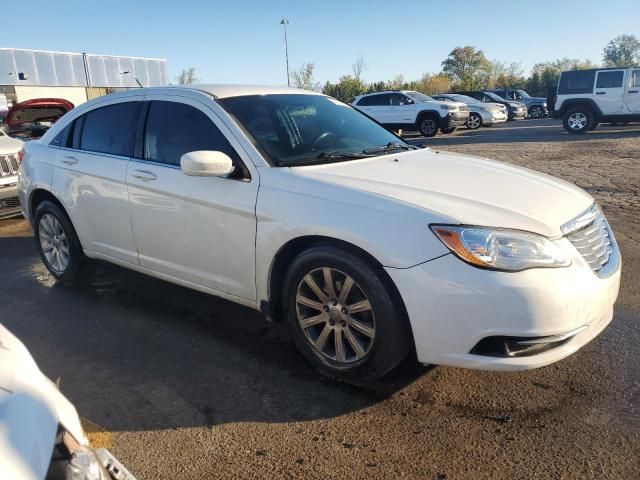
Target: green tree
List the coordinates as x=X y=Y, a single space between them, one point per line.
x=622 y=51
x=467 y=68
x=187 y=77
x=505 y=75
x=432 y=84
x=346 y=88
x=545 y=75
x=303 y=77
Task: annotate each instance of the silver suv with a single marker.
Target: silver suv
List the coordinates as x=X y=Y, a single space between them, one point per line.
x=9 y=150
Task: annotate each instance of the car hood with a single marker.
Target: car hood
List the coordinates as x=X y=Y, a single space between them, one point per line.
x=9 y=145
x=31 y=408
x=471 y=190
x=37 y=110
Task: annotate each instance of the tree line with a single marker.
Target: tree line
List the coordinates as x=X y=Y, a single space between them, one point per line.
x=467 y=68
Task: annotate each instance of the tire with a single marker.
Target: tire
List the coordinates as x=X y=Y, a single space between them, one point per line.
x=449 y=130
x=474 y=121
x=578 y=120
x=380 y=331
x=536 y=111
x=56 y=239
x=428 y=125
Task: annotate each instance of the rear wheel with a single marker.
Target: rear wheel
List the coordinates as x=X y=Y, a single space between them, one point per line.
x=474 y=121
x=536 y=111
x=428 y=125
x=57 y=242
x=344 y=319
x=578 y=120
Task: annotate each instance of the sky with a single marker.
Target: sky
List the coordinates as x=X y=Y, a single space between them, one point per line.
x=243 y=41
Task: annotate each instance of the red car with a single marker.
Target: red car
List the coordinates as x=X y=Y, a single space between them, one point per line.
x=30 y=119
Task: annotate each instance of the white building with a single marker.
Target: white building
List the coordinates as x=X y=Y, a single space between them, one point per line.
x=76 y=77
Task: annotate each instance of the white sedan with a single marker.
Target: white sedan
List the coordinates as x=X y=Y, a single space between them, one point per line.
x=295 y=204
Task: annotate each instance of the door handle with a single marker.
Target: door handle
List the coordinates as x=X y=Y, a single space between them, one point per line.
x=144 y=175
x=69 y=160
x=601 y=93
x=633 y=91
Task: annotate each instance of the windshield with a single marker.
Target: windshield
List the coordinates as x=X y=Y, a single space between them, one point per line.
x=419 y=97
x=296 y=129
x=523 y=94
x=494 y=97
x=464 y=99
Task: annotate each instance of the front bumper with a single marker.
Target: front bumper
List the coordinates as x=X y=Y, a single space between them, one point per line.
x=490 y=118
x=452 y=306
x=517 y=114
x=9 y=202
x=455 y=119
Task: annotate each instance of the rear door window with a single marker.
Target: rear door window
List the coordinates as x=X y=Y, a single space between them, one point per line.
x=612 y=79
x=111 y=129
x=577 y=82
x=635 y=78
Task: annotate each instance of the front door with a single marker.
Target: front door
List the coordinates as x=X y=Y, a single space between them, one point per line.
x=197 y=229
x=609 y=91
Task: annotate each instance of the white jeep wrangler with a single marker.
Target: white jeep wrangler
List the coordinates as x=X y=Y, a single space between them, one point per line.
x=586 y=98
x=409 y=110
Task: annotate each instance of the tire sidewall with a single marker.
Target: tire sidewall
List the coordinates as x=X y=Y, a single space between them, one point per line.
x=423 y=131
x=76 y=255
x=391 y=342
x=586 y=112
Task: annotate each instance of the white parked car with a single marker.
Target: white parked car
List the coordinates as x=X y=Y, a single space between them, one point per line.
x=586 y=98
x=9 y=149
x=41 y=437
x=296 y=204
x=409 y=110
x=480 y=114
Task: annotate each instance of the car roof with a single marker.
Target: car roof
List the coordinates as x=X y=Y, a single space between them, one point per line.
x=228 y=90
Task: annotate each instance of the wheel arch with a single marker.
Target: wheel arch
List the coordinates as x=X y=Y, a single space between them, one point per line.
x=427 y=113
x=579 y=102
x=37 y=196
x=295 y=246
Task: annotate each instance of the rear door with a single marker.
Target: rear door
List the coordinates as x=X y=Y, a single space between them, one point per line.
x=89 y=177
x=376 y=106
x=633 y=93
x=610 y=92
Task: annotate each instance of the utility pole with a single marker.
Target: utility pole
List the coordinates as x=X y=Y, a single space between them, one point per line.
x=284 y=22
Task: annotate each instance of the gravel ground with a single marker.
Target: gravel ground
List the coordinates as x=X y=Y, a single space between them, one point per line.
x=181 y=385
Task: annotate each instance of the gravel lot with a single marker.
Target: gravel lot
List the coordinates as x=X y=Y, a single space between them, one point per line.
x=181 y=385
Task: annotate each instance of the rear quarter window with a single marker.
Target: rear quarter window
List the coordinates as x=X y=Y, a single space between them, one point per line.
x=576 y=82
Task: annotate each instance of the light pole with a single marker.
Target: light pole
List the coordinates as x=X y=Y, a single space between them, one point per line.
x=284 y=22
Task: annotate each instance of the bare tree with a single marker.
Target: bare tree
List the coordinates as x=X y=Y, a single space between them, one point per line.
x=359 y=66
x=303 y=77
x=187 y=77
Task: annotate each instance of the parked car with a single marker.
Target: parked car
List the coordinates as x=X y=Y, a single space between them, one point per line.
x=298 y=205
x=480 y=114
x=586 y=98
x=515 y=110
x=30 y=119
x=41 y=437
x=405 y=109
x=536 y=106
x=9 y=151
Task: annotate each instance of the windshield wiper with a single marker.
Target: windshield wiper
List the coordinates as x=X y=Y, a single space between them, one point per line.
x=324 y=157
x=388 y=147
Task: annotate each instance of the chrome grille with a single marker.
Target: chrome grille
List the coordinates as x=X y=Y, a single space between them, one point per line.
x=591 y=235
x=8 y=165
x=11 y=202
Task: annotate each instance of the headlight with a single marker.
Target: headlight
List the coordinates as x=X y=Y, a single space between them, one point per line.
x=507 y=250
x=448 y=107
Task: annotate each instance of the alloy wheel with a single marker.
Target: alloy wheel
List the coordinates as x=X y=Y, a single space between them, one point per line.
x=577 y=121
x=536 y=112
x=54 y=243
x=473 y=122
x=428 y=127
x=335 y=315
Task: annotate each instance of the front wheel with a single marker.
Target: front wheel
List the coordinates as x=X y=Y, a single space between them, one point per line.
x=57 y=242
x=344 y=319
x=578 y=120
x=428 y=126
x=536 y=112
x=474 y=121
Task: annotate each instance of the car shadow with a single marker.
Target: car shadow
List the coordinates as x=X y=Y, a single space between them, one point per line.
x=136 y=353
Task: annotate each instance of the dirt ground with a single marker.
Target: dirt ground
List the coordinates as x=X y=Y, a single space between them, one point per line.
x=180 y=385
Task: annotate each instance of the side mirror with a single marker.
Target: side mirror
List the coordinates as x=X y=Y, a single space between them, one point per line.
x=206 y=163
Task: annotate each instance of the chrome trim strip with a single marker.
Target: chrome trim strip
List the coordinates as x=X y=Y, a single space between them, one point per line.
x=553 y=338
